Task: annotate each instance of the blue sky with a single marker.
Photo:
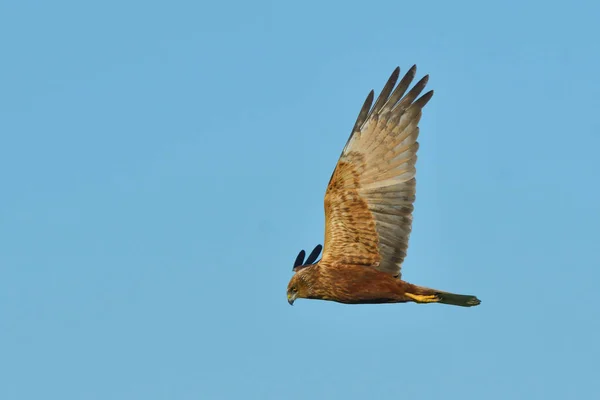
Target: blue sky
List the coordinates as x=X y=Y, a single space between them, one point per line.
x=162 y=163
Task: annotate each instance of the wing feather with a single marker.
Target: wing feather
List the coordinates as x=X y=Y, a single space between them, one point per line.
x=370 y=196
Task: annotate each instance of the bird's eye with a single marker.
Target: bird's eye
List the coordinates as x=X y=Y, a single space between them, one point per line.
x=294 y=289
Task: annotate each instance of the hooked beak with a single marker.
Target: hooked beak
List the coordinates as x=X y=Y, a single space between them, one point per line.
x=291 y=298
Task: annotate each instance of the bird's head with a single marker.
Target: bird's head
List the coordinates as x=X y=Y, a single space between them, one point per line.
x=300 y=285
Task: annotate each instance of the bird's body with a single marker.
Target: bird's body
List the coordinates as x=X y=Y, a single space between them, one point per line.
x=353 y=284
x=368 y=209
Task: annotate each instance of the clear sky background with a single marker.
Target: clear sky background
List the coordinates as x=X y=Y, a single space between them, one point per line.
x=162 y=163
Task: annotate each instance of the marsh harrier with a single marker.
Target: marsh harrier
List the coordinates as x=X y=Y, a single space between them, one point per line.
x=368 y=208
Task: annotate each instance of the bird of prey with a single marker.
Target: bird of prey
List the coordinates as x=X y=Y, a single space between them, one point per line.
x=368 y=208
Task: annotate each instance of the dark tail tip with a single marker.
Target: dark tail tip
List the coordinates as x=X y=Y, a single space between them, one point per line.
x=461 y=300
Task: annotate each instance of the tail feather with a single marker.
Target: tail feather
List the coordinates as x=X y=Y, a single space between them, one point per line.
x=421 y=294
x=462 y=300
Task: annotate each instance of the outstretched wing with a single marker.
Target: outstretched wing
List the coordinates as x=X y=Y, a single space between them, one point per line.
x=369 y=199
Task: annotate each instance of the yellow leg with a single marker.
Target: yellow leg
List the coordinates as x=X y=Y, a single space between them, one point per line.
x=421 y=298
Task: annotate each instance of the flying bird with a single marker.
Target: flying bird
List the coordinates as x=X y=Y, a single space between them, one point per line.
x=368 y=208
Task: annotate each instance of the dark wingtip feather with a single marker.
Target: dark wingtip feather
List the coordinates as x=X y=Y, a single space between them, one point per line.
x=401 y=88
x=364 y=111
x=413 y=93
x=394 y=77
x=422 y=82
x=410 y=74
x=299 y=259
x=314 y=254
x=423 y=100
x=385 y=92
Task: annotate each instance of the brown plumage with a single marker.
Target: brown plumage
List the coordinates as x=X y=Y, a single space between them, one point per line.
x=368 y=208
